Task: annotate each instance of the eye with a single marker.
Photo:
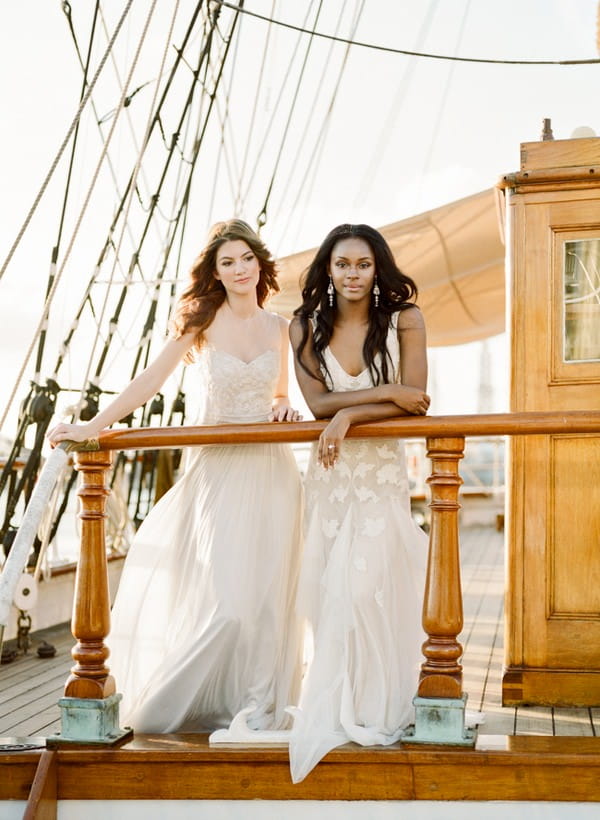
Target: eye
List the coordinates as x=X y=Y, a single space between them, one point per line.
x=249 y=257
x=365 y=265
x=340 y=264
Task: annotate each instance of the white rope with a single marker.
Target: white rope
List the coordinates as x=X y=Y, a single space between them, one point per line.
x=103 y=153
x=65 y=142
x=44 y=530
x=17 y=557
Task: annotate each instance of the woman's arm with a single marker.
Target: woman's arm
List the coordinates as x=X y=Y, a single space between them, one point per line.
x=135 y=394
x=282 y=410
x=413 y=348
x=413 y=369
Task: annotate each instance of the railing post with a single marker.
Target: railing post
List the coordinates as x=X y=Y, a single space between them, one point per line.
x=441 y=674
x=90 y=706
x=90 y=623
x=440 y=702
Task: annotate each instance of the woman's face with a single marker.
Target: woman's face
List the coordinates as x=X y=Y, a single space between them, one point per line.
x=352 y=268
x=237 y=267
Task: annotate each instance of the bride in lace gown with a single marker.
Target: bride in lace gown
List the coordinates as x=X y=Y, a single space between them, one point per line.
x=204 y=623
x=359 y=343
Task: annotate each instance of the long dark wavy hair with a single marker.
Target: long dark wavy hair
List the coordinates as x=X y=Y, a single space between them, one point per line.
x=397 y=292
x=198 y=304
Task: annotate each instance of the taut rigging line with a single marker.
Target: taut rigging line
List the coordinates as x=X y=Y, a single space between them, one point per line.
x=406 y=52
x=48 y=395
x=64 y=144
x=83 y=208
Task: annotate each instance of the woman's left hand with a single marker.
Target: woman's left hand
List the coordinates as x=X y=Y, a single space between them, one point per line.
x=330 y=440
x=284 y=412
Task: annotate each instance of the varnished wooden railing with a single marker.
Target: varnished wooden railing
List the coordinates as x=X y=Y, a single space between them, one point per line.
x=441 y=672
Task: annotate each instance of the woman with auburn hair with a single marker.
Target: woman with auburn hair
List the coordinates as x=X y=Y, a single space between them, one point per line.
x=360 y=352
x=204 y=623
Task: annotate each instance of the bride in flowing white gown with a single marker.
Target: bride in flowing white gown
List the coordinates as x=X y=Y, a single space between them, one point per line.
x=359 y=342
x=204 y=623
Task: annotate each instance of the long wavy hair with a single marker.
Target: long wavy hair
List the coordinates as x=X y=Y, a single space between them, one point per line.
x=397 y=292
x=198 y=304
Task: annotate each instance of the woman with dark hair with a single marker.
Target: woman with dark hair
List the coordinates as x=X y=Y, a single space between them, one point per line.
x=204 y=623
x=360 y=353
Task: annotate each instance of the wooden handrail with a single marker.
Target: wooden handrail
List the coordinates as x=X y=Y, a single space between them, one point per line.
x=441 y=673
x=491 y=424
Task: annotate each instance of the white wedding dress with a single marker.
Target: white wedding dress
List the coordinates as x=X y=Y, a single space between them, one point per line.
x=361 y=589
x=204 y=623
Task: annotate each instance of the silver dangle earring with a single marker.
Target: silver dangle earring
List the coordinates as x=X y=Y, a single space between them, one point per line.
x=376 y=292
x=330 y=292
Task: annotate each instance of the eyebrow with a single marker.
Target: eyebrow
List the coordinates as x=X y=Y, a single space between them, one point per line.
x=221 y=258
x=361 y=259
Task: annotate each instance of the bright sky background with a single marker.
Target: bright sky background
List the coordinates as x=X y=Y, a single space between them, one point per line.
x=405 y=135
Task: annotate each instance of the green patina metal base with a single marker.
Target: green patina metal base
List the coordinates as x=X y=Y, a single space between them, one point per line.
x=440 y=720
x=90 y=720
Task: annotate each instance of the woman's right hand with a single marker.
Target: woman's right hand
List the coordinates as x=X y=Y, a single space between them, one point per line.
x=412 y=400
x=67 y=432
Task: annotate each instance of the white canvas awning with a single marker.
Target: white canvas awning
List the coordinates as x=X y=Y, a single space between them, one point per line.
x=454 y=253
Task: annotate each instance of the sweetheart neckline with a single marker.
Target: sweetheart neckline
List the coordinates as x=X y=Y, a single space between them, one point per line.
x=237 y=358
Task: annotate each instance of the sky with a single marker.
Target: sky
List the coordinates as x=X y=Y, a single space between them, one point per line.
x=328 y=135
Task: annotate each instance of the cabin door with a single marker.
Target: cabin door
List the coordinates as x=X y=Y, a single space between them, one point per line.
x=553 y=602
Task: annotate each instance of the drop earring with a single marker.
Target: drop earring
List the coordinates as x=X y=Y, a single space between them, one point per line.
x=376 y=292
x=330 y=292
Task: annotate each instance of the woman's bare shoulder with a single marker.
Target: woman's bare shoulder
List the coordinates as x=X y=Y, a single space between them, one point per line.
x=409 y=319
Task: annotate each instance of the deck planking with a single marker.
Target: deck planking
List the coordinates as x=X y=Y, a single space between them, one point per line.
x=30 y=687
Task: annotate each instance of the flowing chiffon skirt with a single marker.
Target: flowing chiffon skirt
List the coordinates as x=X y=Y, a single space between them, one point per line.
x=361 y=589
x=204 y=623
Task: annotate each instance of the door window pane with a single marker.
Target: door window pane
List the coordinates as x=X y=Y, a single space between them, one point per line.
x=582 y=300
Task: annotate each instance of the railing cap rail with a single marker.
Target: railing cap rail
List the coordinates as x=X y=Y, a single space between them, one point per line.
x=503 y=424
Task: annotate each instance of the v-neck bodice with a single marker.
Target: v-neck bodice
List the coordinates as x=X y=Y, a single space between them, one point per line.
x=338 y=379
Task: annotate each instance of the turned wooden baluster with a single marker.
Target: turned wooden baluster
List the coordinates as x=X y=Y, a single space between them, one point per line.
x=90 y=624
x=441 y=674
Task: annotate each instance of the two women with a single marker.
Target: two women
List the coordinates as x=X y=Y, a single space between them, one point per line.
x=206 y=621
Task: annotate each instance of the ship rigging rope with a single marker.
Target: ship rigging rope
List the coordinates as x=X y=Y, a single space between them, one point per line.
x=202 y=125
x=261 y=219
x=130 y=124
x=204 y=54
x=238 y=199
x=83 y=209
x=435 y=131
x=109 y=241
x=406 y=52
x=133 y=180
x=268 y=128
x=225 y=121
x=64 y=144
x=394 y=110
x=311 y=165
x=56 y=249
x=99 y=121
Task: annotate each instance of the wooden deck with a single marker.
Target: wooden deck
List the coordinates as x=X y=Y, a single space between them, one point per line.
x=30 y=686
x=522 y=753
